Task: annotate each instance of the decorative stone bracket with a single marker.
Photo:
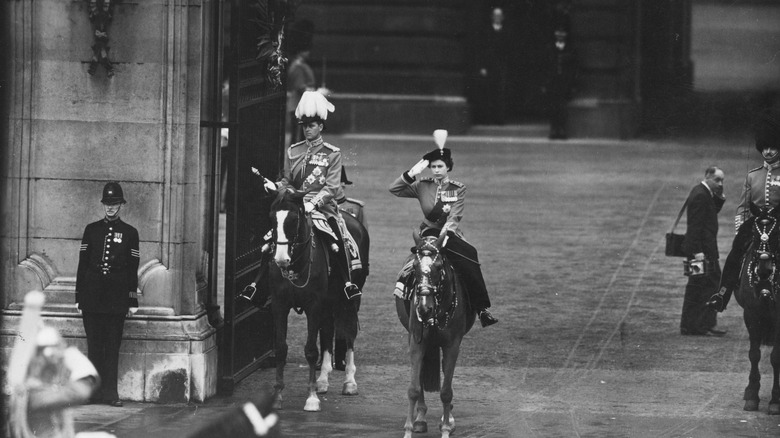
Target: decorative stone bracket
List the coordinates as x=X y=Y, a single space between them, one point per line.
x=100 y=16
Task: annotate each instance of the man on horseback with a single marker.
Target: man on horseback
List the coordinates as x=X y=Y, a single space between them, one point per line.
x=442 y=201
x=314 y=166
x=762 y=188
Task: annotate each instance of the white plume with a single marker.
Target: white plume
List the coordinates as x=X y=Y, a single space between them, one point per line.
x=440 y=137
x=313 y=104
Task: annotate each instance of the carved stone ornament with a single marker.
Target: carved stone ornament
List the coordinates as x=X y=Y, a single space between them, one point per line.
x=271 y=16
x=100 y=16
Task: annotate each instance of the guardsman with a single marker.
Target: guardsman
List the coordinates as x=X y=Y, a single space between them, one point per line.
x=106 y=288
x=762 y=188
x=442 y=200
x=314 y=166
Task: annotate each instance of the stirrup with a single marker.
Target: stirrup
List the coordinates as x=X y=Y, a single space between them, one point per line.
x=351 y=290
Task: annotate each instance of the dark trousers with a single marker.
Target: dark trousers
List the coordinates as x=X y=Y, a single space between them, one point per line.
x=696 y=317
x=465 y=260
x=104 y=337
x=341 y=267
x=733 y=264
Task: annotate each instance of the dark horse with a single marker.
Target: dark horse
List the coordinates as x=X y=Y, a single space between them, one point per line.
x=298 y=279
x=437 y=317
x=341 y=314
x=757 y=295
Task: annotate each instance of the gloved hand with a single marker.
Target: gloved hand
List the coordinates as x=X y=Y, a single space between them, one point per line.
x=418 y=168
x=269 y=185
x=308 y=207
x=716 y=303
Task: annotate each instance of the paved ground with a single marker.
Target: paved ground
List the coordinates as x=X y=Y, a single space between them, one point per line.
x=571 y=239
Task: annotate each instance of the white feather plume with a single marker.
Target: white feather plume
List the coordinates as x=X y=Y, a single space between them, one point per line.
x=440 y=137
x=313 y=104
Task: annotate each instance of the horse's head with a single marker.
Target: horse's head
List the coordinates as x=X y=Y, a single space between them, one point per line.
x=766 y=249
x=429 y=272
x=288 y=225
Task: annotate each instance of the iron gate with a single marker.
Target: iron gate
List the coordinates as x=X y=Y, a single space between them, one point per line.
x=256 y=118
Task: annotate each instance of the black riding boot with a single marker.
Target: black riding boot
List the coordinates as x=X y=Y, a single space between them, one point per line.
x=729 y=279
x=351 y=290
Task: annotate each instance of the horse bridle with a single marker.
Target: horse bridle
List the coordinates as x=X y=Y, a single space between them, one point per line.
x=289 y=274
x=426 y=288
x=763 y=256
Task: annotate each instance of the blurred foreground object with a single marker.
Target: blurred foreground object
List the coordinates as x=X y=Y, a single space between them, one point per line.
x=45 y=378
x=251 y=419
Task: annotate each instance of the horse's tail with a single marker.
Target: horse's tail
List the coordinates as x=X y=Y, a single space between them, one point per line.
x=431 y=367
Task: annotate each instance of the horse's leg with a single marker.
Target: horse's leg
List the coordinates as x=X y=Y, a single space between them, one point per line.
x=415 y=391
x=754 y=354
x=774 y=403
x=350 y=385
x=326 y=343
x=449 y=359
x=310 y=351
x=280 y=316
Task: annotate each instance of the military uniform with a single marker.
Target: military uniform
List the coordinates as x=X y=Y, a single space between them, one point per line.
x=315 y=168
x=106 y=288
x=762 y=188
x=442 y=205
x=441 y=202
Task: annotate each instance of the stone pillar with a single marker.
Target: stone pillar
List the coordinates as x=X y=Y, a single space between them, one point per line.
x=69 y=132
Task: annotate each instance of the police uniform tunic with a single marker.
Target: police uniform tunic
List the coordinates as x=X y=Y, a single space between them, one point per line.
x=762 y=188
x=106 y=287
x=107 y=278
x=315 y=168
x=442 y=202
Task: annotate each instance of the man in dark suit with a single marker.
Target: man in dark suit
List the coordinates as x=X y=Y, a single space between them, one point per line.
x=106 y=288
x=701 y=244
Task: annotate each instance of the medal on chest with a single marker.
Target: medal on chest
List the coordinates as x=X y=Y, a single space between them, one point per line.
x=118 y=237
x=319 y=159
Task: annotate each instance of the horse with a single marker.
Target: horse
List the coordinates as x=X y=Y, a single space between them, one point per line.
x=341 y=314
x=298 y=279
x=437 y=317
x=757 y=295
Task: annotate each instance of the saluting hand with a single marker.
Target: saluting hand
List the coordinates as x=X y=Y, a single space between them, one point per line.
x=418 y=168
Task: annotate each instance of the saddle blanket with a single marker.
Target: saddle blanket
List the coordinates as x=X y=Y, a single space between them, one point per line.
x=321 y=223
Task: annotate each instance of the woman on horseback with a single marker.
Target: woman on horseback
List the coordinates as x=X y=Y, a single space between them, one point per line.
x=442 y=200
x=762 y=188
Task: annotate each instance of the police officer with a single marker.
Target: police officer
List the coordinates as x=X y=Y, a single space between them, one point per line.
x=106 y=287
x=762 y=188
x=441 y=200
x=314 y=166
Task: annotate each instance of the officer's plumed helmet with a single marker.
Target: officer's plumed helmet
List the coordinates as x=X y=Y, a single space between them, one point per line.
x=313 y=107
x=767 y=131
x=443 y=154
x=112 y=194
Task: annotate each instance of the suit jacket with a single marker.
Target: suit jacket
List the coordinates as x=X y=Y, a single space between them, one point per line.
x=701 y=235
x=107 y=276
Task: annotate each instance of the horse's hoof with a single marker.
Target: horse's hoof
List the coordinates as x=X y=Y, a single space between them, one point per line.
x=349 y=389
x=420 y=427
x=751 y=405
x=774 y=408
x=322 y=387
x=312 y=405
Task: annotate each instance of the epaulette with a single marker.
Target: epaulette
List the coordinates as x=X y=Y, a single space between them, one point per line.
x=457 y=184
x=331 y=147
x=757 y=168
